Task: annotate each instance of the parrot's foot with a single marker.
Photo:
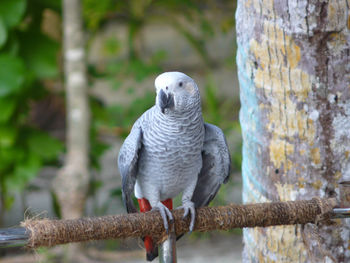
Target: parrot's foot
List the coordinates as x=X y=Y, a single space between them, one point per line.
x=188 y=207
x=165 y=213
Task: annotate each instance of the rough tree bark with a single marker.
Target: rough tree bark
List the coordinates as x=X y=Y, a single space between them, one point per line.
x=71 y=183
x=293 y=67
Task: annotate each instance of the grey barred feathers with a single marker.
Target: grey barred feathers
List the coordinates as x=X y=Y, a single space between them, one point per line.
x=170 y=150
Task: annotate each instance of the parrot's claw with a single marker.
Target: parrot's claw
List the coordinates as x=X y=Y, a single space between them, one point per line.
x=165 y=213
x=188 y=207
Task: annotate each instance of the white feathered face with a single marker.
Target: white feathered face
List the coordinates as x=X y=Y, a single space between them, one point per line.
x=176 y=92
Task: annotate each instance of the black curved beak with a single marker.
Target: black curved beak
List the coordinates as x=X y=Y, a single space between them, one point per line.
x=166 y=101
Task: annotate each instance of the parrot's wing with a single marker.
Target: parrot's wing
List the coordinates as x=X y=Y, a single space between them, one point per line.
x=216 y=166
x=128 y=165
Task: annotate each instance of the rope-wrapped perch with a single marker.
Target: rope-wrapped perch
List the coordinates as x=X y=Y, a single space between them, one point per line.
x=47 y=232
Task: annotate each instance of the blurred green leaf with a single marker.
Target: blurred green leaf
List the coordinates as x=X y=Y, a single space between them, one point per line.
x=228 y=24
x=53 y=4
x=12 y=11
x=3 y=32
x=114 y=67
x=94 y=72
x=97 y=149
x=8 y=136
x=196 y=42
x=94 y=186
x=95 y=11
x=212 y=104
x=24 y=172
x=10 y=156
x=56 y=205
x=112 y=46
x=99 y=113
x=140 y=70
x=116 y=192
x=44 y=145
x=131 y=90
x=158 y=57
x=9 y=200
x=27 y=56
x=100 y=118
x=40 y=54
x=207 y=28
x=7 y=107
x=11 y=45
x=12 y=74
x=116 y=84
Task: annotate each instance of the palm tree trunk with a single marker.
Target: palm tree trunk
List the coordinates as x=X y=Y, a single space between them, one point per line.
x=71 y=184
x=293 y=66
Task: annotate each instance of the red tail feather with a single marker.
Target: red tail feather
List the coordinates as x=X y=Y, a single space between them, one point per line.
x=144 y=207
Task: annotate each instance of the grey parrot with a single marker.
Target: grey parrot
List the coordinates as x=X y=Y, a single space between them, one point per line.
x=171 y=150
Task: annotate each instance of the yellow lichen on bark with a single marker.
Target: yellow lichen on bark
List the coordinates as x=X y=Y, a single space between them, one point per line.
x=315 y=155
x=286 y=192
x=294 y=93
x=274 y=244
x=277 y=74
x=278 y=150
x=316 y=184
x=335 y=11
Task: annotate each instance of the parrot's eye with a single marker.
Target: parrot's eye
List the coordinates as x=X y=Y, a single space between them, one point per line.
x=180 y=84
x=166 y=88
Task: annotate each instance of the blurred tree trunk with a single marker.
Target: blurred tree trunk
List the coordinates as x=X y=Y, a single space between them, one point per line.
x=293 y=68
x=71 y=183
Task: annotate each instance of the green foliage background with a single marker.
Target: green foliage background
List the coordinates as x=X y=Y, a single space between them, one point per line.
x=27 y=58
x=30 y=71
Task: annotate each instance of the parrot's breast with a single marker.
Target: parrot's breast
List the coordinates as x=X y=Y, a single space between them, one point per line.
x=171 y=156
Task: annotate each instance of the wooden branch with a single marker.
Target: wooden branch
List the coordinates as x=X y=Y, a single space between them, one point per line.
x=47 y=232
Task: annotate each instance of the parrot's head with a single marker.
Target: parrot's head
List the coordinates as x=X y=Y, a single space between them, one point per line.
x=176 y=92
